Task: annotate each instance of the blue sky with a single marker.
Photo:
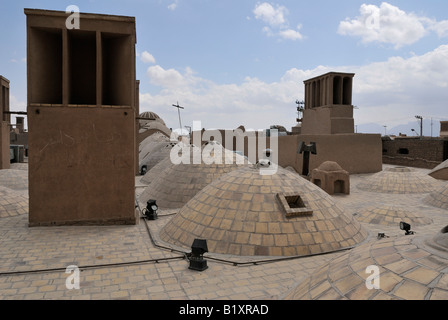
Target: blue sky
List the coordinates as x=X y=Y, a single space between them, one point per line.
x=232 y=63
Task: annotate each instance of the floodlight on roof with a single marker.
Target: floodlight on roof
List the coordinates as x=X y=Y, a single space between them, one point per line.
x=151 y=209
x=196 y=257
x=406 y=227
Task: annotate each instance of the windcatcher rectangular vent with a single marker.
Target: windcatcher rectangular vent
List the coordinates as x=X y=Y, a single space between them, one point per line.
x=293 y=205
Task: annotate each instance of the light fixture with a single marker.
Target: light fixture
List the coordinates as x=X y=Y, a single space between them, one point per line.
x=382 y=235
x=196 y=257
x=406 y=227
x=151 y=209
x=143 y=170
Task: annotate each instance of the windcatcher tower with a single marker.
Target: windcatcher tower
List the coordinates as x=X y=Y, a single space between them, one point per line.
x=328 y=104
x=82 y=109
x=5 y=121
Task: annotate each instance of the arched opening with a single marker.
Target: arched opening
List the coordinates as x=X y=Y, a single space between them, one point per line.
x=337 y=90
x=339 y=186
x=347 y=91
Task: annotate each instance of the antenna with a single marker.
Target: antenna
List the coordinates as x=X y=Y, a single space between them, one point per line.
x=421 y=124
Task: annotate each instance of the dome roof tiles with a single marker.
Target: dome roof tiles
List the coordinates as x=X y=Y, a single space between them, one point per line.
x=240 y=214
x=399 y=180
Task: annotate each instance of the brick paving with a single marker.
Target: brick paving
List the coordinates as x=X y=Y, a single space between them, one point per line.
x=123 y=262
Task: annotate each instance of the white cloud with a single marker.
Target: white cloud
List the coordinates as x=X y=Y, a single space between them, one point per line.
x=391 y=92
x=291 y=34
x=275 y=18
x=267 y=13
x=441 y=28
x=388 y=24
x=146 y=57
x=173 y=6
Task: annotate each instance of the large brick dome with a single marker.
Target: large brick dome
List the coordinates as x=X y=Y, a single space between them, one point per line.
x=245 y=213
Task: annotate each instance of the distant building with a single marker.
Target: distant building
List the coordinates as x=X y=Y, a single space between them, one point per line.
x=443 y=129
x=415 y=151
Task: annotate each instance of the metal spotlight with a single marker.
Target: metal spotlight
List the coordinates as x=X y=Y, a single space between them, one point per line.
x=151 y=209
x=143 y=170
x=196 y=257
x=406 y=227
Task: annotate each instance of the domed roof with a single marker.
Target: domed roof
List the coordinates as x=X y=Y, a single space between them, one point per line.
x=438 y=198
x=248 y=214
x=12 y=203
x=410 y=268
x=399 y=180
x=150 y=116
x=153 y=142
x=440 y=171
x=157 y=155
x=390 y=216
x=330 y=166
x=176 y=185
x=156 y=170
x=14 y=179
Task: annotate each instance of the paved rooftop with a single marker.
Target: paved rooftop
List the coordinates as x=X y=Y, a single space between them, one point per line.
x=128 y=262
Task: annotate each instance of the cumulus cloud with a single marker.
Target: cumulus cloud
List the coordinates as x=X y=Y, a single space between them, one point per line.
x=146 y=57
x=391 y=25
x=391 y=92
x=277 y=24
x=267 y=13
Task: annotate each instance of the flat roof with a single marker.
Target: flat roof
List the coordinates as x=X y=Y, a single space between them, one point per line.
x=98 y=16
x=331 y=73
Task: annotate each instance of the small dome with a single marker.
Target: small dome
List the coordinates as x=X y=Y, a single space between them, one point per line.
x=438 y=198
x=161 y=153
x=176 y=185
x=399 y=180
x=440 y=172
x=390 y=216
x=150 y=116
x=157 y=170
x=330 y=166
x=410 y=268
x=249 y=214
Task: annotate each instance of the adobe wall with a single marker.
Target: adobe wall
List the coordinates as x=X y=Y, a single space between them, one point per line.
x=415 y=152
x=355 y=153
x=81 y=165
x=4 y=145
x=328 y=120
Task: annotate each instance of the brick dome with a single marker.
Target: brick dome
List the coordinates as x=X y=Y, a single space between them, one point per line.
x=176 y=185
x=390 y=216
x=399 y=180
x=438 y=198
x=248 y=214
x=410 y=268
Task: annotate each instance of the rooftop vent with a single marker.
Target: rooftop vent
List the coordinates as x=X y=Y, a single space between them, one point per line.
x=293 y=205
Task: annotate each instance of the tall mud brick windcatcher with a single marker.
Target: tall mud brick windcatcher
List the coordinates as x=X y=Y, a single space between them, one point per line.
x=5 y=120
x=82 y=109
